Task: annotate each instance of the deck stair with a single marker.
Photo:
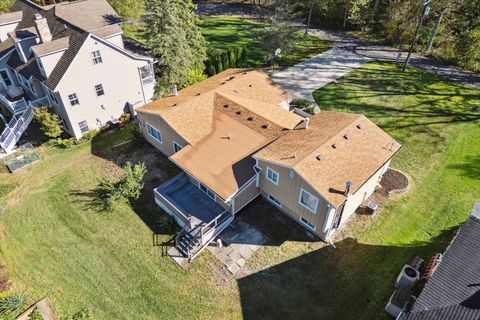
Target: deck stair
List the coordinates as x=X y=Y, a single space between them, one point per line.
x=190 y=242
x=19 y=124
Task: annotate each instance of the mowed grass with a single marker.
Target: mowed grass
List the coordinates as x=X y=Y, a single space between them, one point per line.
x=55 y=244
x=222 y=32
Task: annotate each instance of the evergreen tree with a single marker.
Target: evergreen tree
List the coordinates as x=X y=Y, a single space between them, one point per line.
x=175 y=40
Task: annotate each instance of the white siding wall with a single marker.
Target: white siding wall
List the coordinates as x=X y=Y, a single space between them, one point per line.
x=121 y=82
x=5 y=29
x=116 y=40
x=49 y=62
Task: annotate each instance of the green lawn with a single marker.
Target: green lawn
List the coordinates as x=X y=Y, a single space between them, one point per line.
x=224 y=31
x=54 y=243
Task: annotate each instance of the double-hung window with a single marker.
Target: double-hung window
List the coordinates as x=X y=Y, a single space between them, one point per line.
x=207 y=191
x=272 y=176
x=73 y=99
x=99 y=90
x=97 y=57
x=308 y=200
x=83 y=126
x=154 y=133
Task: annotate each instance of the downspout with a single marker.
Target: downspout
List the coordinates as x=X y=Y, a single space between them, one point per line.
x=141 y=84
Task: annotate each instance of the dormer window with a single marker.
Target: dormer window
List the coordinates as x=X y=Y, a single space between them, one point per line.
x=97 y=57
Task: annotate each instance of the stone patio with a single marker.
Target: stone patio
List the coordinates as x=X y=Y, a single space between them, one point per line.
x=239 y=243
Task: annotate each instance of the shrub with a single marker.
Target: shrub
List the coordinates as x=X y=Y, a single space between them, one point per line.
x=49 y=122
x=301 y=103
x=125 y=117
x=130 y=187
x=232 y=58
x=195 y=75
x=11 y=303
x=35 y=315
x=219 y=63
x=87 y=137
x=225 y=62
x=63 y=143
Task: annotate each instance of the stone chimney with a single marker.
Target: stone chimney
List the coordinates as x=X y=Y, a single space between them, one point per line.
x=42 y=28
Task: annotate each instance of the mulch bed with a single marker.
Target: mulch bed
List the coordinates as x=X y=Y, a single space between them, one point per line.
x=393 y=181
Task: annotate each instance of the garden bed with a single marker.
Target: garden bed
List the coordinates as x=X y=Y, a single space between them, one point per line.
x=393 y=182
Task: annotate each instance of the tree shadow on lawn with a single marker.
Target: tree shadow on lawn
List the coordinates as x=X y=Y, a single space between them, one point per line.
x=352 y=281
x=470 y=167
x=120 y=148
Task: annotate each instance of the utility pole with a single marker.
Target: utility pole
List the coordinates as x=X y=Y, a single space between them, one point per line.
x=309 y=18
x=425 y=11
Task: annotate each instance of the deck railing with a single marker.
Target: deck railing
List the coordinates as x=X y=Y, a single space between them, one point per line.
x=16 y=107
x=15 y=128
x=212 y=225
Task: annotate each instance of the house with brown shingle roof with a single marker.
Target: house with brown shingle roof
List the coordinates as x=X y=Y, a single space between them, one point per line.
x=235 y=140
x=73 y=57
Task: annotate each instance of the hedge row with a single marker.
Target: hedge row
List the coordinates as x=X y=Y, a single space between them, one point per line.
x=233 y=57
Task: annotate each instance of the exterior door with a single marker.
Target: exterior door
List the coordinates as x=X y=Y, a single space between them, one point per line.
x=7 y=81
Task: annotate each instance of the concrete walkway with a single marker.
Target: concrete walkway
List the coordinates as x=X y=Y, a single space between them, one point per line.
x=304 y=78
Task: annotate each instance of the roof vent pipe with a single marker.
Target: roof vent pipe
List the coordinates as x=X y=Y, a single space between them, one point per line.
x=307 y=120
x=348 y=186
x=42 y=28
x=174 y=90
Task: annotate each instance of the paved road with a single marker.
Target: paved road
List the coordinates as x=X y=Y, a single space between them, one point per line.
x=309 y=75
x=385 y=53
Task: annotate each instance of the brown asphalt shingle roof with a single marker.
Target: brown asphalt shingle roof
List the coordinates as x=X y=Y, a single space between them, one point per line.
x=190 y=113
x=52 y=46
x=222 y=159
x=350 y=146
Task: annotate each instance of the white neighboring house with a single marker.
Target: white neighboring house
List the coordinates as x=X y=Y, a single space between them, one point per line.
x=73 y=57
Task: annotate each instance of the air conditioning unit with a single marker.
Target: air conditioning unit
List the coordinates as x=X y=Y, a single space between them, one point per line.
x=407 y=277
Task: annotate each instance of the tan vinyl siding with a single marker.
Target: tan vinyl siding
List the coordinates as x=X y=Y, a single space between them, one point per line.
x=288 y=191
x=363 y=193
x=168 y=134
x=246 y=195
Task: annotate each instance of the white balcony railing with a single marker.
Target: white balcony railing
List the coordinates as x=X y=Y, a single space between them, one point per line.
x=16 y=107
x=19 y=123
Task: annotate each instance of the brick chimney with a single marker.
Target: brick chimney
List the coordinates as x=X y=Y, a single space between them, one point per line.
x=42 y=28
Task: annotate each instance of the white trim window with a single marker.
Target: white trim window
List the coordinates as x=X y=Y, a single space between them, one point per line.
x=274 y=201
x=207 y=191
x=176 y=147
x=99 y=90
x=83 y=125
x=147 y=75
x=308 y=224
x=73 y=99
x=308 y=200
x=272 y=176
x=154 y=133
x=97 y=57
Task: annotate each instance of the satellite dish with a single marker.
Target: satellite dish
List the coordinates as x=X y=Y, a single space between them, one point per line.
x=278 y=51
